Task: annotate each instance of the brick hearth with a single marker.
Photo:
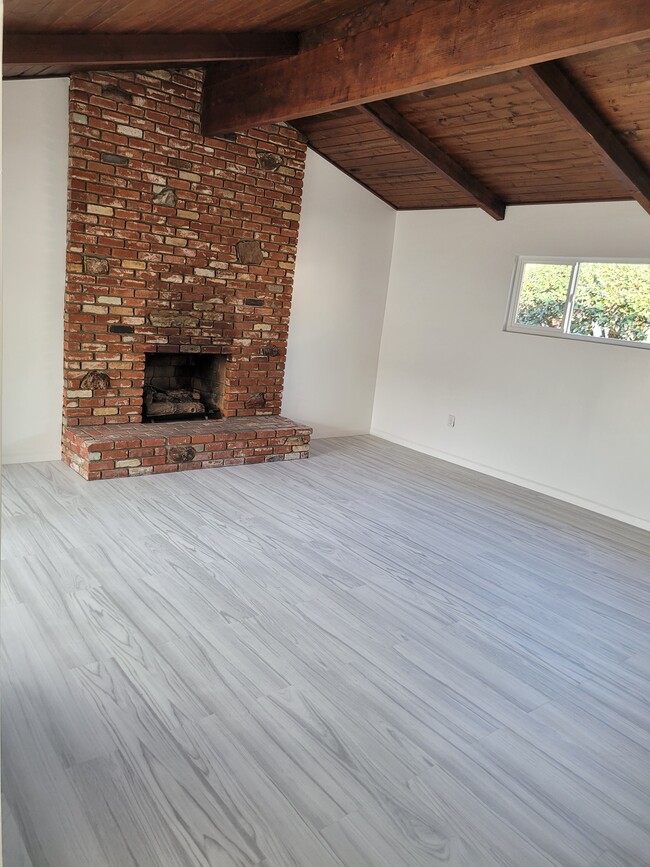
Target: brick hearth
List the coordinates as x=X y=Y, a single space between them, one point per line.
x=176 y=244
x=139 y=449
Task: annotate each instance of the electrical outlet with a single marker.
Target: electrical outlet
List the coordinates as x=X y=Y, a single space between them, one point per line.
x=451 y=421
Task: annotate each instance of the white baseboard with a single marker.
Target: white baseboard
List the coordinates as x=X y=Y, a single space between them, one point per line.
x=29 y=456
x=532 y=485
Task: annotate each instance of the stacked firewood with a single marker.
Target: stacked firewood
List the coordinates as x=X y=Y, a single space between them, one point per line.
x=177 y=401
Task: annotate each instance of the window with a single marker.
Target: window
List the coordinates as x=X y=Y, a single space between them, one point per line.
x=583 y=299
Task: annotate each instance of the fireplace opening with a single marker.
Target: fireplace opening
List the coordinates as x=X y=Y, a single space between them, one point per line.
x=180 y=386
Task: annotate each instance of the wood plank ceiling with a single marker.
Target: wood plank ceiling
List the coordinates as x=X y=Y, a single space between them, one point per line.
x=504 y=134
x=170 y=16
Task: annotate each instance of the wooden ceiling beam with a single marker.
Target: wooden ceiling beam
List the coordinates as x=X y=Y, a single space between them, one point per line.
x=440 y=44
x=403 y=132
x=114 y=50
x=375 y=13
x=552 y=83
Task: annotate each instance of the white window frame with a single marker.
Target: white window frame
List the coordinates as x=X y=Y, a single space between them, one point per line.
x=512 y=325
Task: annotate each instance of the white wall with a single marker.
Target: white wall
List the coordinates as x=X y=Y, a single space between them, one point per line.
x=566 y=417
x=35 y=148
x=342 y=268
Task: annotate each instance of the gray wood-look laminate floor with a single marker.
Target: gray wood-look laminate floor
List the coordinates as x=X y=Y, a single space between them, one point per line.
x=371 y=659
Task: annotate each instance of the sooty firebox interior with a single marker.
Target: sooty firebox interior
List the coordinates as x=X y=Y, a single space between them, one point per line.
x=182 y=385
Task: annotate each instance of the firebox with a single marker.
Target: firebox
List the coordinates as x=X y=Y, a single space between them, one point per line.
x=183 y=385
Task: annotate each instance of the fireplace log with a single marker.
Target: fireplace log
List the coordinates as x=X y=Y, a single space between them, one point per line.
x=180 y=394
x=175 y=407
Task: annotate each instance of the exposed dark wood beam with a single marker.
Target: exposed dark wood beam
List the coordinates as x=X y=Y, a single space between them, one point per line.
x=550 y=81
x=375 y=13
x=403 y=132
x=451 y=41
x=112 y=50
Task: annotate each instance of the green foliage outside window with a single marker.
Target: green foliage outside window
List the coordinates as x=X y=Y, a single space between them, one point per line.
x=611 y=300
x=543 y=295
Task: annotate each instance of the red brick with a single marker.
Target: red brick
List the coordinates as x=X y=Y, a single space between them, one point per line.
x=102 y=465
x=166 y=468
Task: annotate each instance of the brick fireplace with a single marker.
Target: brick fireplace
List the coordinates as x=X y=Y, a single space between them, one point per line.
x=180 y=264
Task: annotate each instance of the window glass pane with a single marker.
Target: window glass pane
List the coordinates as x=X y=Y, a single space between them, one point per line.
x=612 y=300
x=543 y=295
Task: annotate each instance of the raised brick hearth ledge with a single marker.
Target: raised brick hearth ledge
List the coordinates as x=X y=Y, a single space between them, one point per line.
x=116 y=451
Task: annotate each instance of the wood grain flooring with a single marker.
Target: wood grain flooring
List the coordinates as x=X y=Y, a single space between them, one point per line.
x=369 y=659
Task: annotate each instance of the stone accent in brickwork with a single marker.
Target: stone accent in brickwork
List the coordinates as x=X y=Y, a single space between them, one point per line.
x=95 y=265
x=95 y=380
x=181 y=454
x=173 y=320
x=116 y=94
x=250 y=253
x=166 y=197
x=271 y=162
